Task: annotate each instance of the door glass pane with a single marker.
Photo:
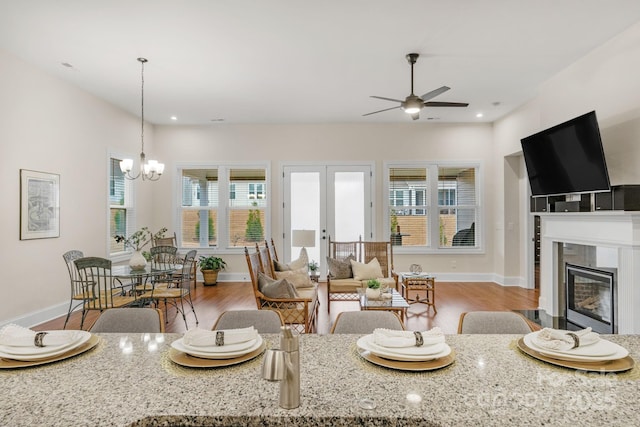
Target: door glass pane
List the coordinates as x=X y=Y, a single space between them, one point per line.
x=305 y=210
x=349 y=206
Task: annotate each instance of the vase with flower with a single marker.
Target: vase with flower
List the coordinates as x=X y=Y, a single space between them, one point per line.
x=137 y=241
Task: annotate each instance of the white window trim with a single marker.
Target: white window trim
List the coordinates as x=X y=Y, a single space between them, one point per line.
x=433 y=210
x=131 y=223
x=223 y=200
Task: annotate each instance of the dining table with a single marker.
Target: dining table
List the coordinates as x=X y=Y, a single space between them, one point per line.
x=133 y=380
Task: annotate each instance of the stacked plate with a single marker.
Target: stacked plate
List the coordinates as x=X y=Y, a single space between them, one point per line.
x=602 y=355
x=413 y=358
x=35 y=355
x=208 y=356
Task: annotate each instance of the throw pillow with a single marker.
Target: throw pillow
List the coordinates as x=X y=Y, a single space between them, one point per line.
x=299 y=278
x=302 y=261
x=276 y=288
x=340 y=269
x=371 y=270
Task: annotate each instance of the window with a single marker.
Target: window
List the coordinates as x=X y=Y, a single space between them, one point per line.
x=230 y=202
x=121 y=207
x=447 y=221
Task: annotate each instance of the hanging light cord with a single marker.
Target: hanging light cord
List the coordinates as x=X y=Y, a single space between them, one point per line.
x=142 y=61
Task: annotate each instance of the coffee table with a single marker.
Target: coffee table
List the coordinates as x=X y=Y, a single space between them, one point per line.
x=397 y=303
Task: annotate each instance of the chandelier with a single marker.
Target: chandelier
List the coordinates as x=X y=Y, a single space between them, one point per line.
x=151 y=170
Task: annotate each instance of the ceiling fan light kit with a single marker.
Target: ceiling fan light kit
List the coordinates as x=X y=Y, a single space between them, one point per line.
x=412 y=104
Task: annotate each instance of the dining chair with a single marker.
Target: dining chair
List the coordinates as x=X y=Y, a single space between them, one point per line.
x=493 y=322
x=77 y=294
x=130 y=320
x=179 y=292
x=97 y=286
x=166 y=241
x=265 y=321
x=163 y=258
x=364 y=322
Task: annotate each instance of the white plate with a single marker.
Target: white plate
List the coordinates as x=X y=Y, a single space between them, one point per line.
x=38 y=353
x=206 y=352
x=601 y=351
x=426 y=350
x=228 y=348
x=366 y=343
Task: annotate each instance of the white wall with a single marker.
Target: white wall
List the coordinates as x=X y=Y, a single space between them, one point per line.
x=330 y=143
x=606 y=80
x=48 y=125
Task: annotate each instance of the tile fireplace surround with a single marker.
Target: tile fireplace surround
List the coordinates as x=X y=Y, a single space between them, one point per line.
x=614 y=229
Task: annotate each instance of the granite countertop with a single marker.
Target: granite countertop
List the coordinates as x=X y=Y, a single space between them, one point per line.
x=490 y=383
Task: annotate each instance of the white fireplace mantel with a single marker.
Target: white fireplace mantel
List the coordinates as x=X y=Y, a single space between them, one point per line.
x=612 y=229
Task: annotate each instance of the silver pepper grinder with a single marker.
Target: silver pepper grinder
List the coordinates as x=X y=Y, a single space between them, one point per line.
x=284 y=365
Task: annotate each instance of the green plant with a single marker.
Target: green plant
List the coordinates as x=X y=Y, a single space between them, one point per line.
x=254 y=231
x=394 y=222
x=211 y=263
x=313 y=266
x=212 y=230
x=373 y=284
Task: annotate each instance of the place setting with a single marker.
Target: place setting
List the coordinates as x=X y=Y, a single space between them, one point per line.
x=200 y=348
x=583 y=349
x=22 y=347
x=406 y=350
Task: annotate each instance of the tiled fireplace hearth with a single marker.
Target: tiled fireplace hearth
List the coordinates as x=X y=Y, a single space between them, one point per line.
x=615 y=235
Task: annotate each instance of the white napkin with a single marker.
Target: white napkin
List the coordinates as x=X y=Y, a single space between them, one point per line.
x=555 y=339
x=19 y=336
x=203 y=338
x=398 y=339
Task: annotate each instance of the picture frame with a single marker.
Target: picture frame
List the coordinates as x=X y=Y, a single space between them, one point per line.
x=39 y=205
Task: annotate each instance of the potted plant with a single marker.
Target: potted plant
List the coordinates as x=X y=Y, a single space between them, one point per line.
x=210 y=266
x=373 y=289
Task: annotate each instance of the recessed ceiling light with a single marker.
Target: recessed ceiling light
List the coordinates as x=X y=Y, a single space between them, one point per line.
x=66 y=64
x=479 y=115
x=174 y=118
x=217 y=120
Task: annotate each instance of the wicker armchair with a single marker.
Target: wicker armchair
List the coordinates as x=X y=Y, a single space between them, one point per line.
x=345 y=289
x=299 y=313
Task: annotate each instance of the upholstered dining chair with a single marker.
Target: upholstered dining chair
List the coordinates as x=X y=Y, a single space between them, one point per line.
x=493 y=322
x=77 y=294
x=130 y=320
x=265 y=321
x=364 y=322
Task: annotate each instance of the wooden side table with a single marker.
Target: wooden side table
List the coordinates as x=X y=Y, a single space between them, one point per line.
x=420 y=283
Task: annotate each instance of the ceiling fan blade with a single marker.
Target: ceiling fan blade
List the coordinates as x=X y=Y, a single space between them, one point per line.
x=415 y=116
x=446 y=104
x=386 y=99
x=380 y=111
x=427 y=96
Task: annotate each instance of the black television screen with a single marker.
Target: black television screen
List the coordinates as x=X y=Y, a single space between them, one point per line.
x=567 y=158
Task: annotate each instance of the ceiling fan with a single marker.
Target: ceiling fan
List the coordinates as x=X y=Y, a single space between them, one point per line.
x=412 y=104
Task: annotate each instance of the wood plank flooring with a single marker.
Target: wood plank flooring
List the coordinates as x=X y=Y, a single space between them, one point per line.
x=452 y=299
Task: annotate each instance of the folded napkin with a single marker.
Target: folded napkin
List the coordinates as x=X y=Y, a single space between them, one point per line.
x=203 y=338
x=398 y=339
x=18 y=336
x=554 y=339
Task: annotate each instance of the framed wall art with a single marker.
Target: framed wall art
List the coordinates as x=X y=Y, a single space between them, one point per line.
x=39 y=205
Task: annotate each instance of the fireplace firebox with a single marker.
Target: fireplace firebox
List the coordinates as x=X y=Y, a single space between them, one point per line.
x=591 y=298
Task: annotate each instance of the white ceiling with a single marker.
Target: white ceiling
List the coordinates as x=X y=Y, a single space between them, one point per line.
x=296 y=61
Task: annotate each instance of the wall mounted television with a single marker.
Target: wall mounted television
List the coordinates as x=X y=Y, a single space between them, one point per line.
x=567 y=158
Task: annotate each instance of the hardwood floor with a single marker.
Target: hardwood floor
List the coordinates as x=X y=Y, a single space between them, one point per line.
x=452 y=299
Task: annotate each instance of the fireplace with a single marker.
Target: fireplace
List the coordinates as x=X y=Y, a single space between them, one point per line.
x=591 y=298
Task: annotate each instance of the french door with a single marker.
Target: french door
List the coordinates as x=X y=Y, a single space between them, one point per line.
x=330 y=200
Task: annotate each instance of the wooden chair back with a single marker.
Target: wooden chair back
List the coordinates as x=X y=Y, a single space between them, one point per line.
x=267 y=262
x=272 y=250
x=166 y=241
x=383 y=251
x=342 y=250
